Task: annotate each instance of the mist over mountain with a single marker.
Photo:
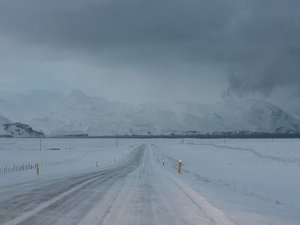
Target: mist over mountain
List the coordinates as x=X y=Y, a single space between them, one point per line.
x=73 y=112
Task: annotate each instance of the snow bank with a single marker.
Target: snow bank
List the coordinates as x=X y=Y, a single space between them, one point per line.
x=237 y=180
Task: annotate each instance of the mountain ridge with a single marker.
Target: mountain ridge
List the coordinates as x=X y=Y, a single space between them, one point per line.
x=73 y=112
x=12 y=129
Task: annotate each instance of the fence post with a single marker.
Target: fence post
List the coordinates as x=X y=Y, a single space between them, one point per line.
x=179 y=166
x=37 y=169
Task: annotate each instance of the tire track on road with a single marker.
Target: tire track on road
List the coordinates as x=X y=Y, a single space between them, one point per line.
x=65 y=196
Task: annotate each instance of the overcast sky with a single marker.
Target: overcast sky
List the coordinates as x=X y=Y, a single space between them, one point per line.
x=158 y=50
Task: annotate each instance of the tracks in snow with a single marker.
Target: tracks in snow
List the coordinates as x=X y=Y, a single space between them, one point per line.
x=75 y=195
x=135 y=192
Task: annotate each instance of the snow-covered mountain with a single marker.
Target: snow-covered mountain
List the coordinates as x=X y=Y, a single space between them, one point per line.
x=73 y=112
x=3 y=120
x=249 y=115
x=9 y=128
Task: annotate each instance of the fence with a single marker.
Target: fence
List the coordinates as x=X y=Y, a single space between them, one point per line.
x=258 y=154
x=30 y=166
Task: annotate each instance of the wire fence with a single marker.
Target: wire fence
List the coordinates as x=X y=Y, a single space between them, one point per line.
x=14 y=168
x=261 y=155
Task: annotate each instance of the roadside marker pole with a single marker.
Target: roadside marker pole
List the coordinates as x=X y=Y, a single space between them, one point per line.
x=179 y=166
x=37 y=169
x=163 y=162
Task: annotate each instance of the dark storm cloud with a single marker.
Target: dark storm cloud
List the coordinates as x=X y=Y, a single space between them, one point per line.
x=255 y=43
x=271 y=32
x=147 y=26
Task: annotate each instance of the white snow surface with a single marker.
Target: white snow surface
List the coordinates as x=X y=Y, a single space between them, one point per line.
x=254 y=181
x=56 y=156
x=232 y=181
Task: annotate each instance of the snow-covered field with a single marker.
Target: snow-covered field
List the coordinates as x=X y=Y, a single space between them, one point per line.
x=255 y=181
x=232 y=181
x=56 y=157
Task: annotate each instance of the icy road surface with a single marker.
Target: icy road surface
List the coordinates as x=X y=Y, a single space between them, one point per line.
x=137 y=190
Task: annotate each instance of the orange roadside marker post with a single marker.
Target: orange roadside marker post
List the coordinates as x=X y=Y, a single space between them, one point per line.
x=179 y=166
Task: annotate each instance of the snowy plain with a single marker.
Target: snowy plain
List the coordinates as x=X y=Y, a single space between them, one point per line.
x=249 y=181
x=56 y=156
x=254 y=181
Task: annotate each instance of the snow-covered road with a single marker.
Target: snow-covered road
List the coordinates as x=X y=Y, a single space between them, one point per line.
x=137 y=190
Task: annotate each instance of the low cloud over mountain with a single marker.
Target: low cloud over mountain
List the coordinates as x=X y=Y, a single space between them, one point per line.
x=73 y=112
